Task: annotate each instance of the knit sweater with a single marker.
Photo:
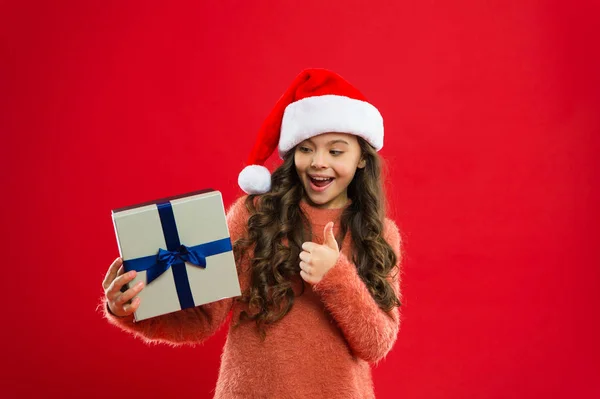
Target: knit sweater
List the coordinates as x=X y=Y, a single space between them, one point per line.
x=321 y=349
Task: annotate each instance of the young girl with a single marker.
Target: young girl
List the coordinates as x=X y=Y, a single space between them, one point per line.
x=317 y=260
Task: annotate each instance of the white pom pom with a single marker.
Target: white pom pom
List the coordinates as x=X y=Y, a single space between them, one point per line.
x=255 y=179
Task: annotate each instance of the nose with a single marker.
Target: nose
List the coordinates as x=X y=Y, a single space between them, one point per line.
x=318 y=160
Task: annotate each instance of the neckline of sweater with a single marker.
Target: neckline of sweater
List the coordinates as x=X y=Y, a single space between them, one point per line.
x=322 y=216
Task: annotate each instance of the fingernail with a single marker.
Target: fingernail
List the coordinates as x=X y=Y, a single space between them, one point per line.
x=139 y=285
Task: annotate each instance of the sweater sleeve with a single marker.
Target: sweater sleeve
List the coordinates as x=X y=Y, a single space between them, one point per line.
x=188 y=326
x=370 y=331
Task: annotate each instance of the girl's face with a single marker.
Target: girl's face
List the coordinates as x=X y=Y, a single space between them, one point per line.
x=326 y=165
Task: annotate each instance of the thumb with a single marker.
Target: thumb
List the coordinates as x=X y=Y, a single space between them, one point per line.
x=329 y=238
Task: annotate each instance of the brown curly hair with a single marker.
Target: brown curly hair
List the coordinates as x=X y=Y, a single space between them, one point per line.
x=276 y=215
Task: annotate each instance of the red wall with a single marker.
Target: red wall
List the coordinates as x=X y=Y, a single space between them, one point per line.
x=492 y=125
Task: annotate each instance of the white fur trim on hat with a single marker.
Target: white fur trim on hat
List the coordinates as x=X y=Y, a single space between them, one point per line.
x=255 y=179
x=312 y=116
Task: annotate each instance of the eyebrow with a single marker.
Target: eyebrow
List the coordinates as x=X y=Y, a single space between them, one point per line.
x=331 y=142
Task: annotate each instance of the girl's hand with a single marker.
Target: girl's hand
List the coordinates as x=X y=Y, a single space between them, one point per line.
x=119 y=302
x=317 y=260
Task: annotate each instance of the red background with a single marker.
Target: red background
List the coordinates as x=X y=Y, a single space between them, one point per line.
x=492 y=126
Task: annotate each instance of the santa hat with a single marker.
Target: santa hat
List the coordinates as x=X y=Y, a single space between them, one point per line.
x=318 y=101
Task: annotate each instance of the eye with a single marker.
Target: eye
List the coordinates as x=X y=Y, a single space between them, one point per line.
x=335 y=153
x=303 y=149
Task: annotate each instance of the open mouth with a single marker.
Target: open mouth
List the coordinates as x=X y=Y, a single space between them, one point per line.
x=320 y=183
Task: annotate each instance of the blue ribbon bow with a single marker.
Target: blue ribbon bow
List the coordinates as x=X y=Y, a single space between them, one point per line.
x=165 y=259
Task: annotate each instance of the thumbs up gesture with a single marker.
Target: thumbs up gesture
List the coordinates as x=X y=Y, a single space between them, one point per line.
x=316 y=260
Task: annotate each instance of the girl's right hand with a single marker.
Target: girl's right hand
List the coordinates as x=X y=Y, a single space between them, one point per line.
x=119 y=303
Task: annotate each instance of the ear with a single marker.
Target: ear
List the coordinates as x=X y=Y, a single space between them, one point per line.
x=362 y=163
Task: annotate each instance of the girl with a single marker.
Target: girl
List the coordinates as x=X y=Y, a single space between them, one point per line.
x=317 y=260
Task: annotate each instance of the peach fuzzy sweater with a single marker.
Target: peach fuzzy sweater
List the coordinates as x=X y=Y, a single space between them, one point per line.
x=321 y=349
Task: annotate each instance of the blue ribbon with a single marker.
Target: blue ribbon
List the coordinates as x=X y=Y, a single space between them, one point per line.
x=175 y=257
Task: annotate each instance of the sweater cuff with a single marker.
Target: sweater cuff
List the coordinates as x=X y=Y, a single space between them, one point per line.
x=113 y=318
x=337 y=277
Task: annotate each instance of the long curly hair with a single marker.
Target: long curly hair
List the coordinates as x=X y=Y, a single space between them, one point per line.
x=277 y=227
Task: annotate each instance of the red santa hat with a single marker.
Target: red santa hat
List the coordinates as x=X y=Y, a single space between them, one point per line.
x=318 y=101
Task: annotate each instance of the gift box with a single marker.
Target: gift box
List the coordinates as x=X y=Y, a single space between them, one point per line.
x=181 y=250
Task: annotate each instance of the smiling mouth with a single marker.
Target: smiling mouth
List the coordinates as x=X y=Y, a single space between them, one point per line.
x=319 y=183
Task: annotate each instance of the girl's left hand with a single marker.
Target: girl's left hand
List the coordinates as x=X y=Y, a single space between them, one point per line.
x=317 y=260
